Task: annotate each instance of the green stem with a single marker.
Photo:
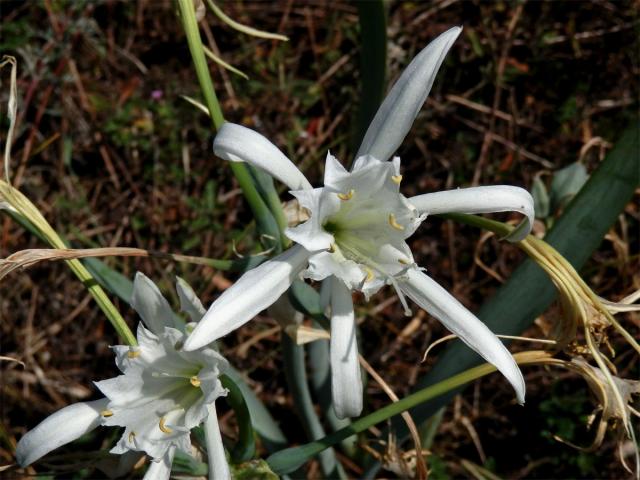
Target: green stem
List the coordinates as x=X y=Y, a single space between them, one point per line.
x=290 y=459
x=294 y=368
x=45 y=232
x=498 y=228
x=241 y=171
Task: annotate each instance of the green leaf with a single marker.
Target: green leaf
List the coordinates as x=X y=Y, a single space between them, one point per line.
x=373 y=63
x=253 y=470
x=566 y=183
x=245 y=448
x=529 y=292
x=540 y=198
x=183 y=463
x=295 y=372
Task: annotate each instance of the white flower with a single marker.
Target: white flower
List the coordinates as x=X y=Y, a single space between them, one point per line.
x=163 y=393
x=356 y=234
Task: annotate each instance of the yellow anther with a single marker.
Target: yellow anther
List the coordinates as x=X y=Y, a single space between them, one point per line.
x=132 y=436
x=163 y=427
x=403 y=261
x=195 y=381
x=394 y=223
x=133 y=353
x=370 y=274
x=332 y=248
x=106 y=413
x=396 y=179
x=346 y=196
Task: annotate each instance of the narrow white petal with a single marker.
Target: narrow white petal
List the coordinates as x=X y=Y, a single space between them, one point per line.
x=333 y=170
x=58 y=429
x=393 y=120
x=241 y=144
x=161 y=469
x=253 y=292
x=151 y=305
x=189 y=301
x=346 y=382
x=218 y=467
x=491 y=199
x=438 y=302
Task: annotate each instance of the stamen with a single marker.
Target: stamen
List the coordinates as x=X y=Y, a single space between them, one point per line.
x=106 y=413
x=404 y=261
x=393 y=222
x=133 y=353
x=163 y=427
x=195 y=381
x=346 y=196
x=132 y=436
x=370 y=275
x=401 y=297
x=396 y=179
x=332 y=248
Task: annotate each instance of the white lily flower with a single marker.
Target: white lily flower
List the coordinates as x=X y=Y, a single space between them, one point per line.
x=356 y=234
x=163 y=393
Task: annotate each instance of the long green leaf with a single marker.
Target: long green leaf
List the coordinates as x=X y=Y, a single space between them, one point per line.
x=373 y=63
x=289 y=459
x=295 y=371
x=245 y=448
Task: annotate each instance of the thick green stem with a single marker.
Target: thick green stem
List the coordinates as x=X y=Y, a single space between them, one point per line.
x=294 y=367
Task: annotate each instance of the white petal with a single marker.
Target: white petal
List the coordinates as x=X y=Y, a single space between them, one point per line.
x=311 y=234
x=189 y=301
x=253 y=292
x=241 y=144
x=324 y=264
x=152 y=307
x=346 y=382
x=498 y=198
x=460 y=321
x=401 y=106
x=333 y=170
x=218 y=467
x=161 y=469
x=58 y=429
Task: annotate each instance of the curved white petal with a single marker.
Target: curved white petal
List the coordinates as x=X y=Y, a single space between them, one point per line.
x=151 y=305
x=253 y=292
x=241 y=144
x=189 y=301
x=58 y=429
x=218 y=467
x=438 y=302
x=346 y=382
x=161 y=469
x=324 y=264
x=490 y=199
x=393 y=120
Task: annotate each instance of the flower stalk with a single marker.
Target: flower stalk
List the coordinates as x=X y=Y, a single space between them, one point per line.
x=263 y=214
